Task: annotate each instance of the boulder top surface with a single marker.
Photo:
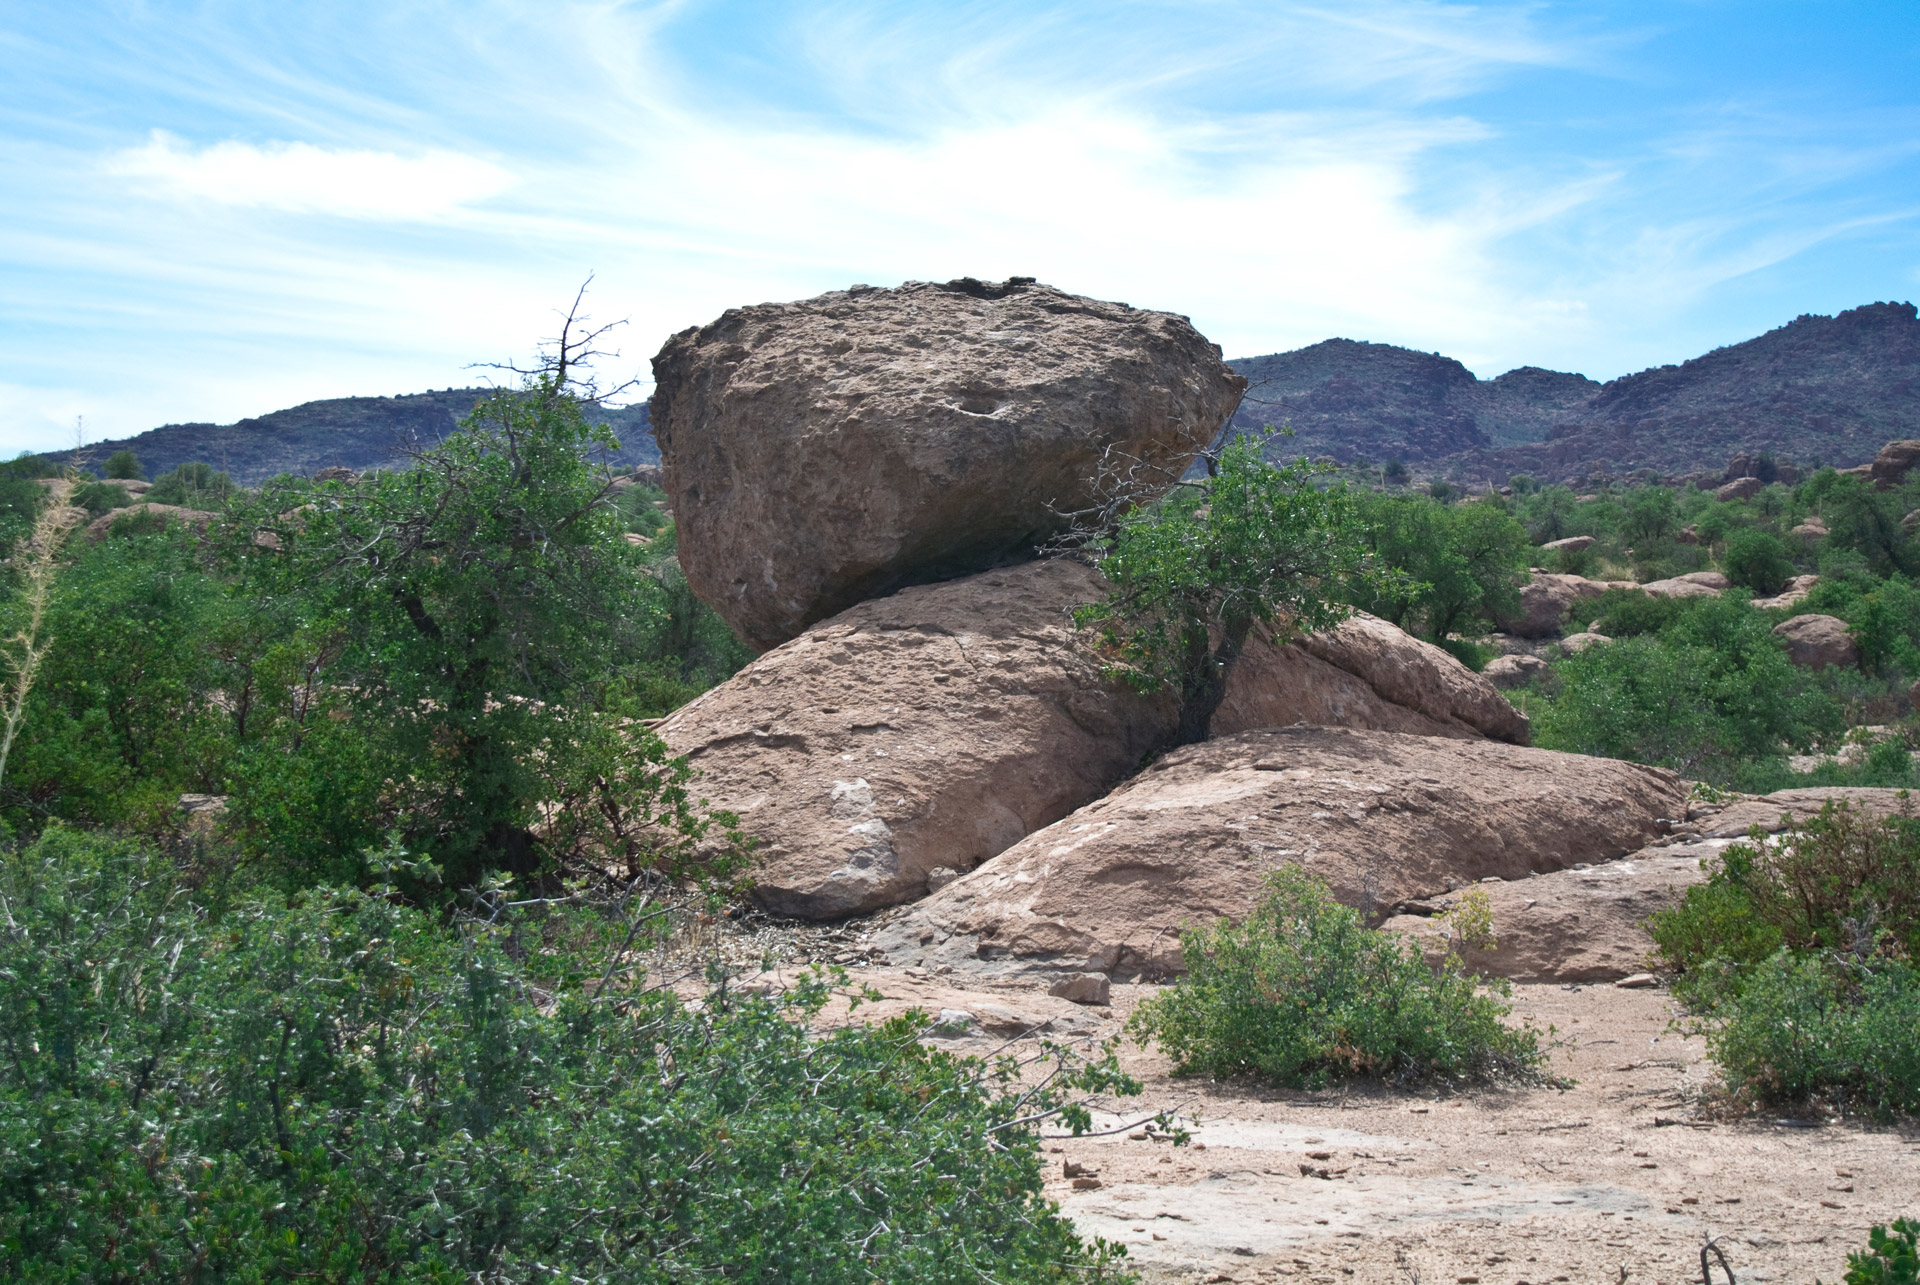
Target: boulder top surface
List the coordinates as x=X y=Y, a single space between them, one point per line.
x=827 y=451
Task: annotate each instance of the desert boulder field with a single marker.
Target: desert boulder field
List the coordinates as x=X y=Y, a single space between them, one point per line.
x=952 y=795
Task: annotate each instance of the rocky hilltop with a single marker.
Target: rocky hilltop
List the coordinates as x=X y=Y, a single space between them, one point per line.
x=1827 y=389
x=348 y=432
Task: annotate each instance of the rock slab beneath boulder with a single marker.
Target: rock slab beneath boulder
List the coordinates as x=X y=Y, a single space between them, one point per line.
x=1383 y=818
x=911 y=738
x=824 y=452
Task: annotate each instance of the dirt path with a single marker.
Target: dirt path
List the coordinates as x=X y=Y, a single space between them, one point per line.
x=1612 y=1175
x=1503 y=1187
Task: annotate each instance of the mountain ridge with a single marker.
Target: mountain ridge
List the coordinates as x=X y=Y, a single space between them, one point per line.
x=1827 y=389
x=347 y=432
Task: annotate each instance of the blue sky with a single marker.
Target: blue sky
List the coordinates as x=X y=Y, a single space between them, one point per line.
x=212 y=210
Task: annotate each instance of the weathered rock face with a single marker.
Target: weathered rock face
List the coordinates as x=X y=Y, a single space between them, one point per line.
x=1797 y=589
x=1890 y=467
x=1815 y=641
x=1740 y=489
x=1572 y=544
x=915 y=736
x=1574 y=644
x=1545 y=601
x=1570 y=925
x=1511 y=672
x=821 y=453
x=1406 y=685
x=1695 y=584
x=1383 y=818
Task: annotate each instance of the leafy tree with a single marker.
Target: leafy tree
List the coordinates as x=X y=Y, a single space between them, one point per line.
x=1653 y=513
x=1192 y=576
x=1462 y=564
x=1758 y=561
x=473 y=611
x=124 y=465
x=1866 y=521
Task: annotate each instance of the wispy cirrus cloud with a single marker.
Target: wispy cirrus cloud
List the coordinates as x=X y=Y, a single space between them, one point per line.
x=215 y=214
x=300 y=177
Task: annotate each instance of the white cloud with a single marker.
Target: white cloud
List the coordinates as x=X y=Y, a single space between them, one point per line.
x=303 y=178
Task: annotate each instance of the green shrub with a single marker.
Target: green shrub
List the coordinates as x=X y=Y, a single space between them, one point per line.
x=339 y=1087
x=1844 y=881
x=125 y=465
x=1892 y=1256
x=192 y=486
x=1757 y=560
x=1822 y=1025
x=1303 y=993
x=1709 y=692
x=1625 y=613
x=99 y=498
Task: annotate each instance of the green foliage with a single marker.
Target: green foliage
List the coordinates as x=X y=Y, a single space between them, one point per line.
x=336 y=1086
x=192 y=486
x=1892 y=1256
x=98 y=498
x=1797 y=953
x=1802 y=1026
x=1865 y=521
x=1711 y=689
x=1757 y=561
x=119 y=722
x=124 y=465
x=1628 y=613
x=472 y=622
x=1303 y=993
x=1192 y=576
x=1461 y=565
x=1844 y=881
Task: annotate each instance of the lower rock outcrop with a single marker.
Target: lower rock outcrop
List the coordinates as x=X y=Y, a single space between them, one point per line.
x=913 y=737
x=1817 y=642
x=1382 y=818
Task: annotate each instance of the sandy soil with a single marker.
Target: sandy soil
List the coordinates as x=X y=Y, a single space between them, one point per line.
x=1615 y=1178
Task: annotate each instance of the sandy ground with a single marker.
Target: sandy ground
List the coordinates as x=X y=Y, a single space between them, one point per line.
x=1616 y=1178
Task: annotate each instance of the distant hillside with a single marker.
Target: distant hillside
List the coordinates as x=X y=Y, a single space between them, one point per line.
x=353 y=432
x=1827 y=389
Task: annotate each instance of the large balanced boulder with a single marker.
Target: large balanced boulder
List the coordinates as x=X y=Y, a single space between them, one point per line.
x=1383 y=818
x=1817 y=642
x=821 y=453
x=910 y=738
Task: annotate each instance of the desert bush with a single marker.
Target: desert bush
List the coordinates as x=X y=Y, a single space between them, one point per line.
x=192 y=486
x=1892 y=1256
x=98 y=498
x=1796 y=956
x=1710 y=691
x=1843 y=881
x=336 y=1086
x=1303 y=993
x=1823 y=1025
x=125 y=465
x=1757 y=560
